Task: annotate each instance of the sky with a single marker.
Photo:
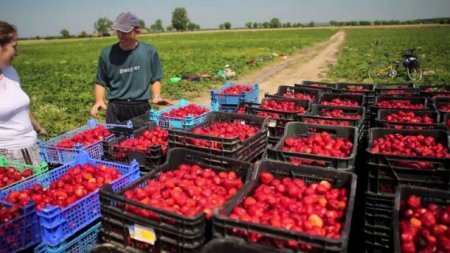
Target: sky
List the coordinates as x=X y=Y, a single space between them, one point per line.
x=49 y=17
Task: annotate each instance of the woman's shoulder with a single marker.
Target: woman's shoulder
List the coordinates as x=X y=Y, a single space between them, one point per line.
x=11 y=73
x=147 y=47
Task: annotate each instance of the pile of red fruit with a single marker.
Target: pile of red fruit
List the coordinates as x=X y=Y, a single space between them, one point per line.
x=408 y=117
x=400 y=104
x=85 y=138
x=8 y=213
x=397 y=92
x=438 y=89
x=356 y=88
x=282 y=106
x=299 y=95
x=340 y=102
x=319 y=144
x=298 y=161
x=338 y=113
x=410 y=145
x=448 y=123
x=187 y=110
x=291 y=203
x=444 y=108
x=76 y=183
x=154 y=137
x=228 y=130
x=187 y=190
x=237 y=89
x=327 y=122
x=424 y=228
x=9 y=175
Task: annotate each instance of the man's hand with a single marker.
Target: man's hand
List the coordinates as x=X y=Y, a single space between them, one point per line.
x=161 y=101
x=97 y=105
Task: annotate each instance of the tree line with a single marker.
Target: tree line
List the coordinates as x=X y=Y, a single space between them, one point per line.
x=181 y=22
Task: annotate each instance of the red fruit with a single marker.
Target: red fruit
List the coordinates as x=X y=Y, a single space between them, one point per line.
x=266 y=177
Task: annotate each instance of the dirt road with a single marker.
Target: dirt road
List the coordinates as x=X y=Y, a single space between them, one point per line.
x=307 y=64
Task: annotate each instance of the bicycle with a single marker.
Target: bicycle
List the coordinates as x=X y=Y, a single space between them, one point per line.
x=390 y=69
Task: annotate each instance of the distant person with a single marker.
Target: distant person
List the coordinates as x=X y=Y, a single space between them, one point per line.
x=128 y=69
x=18 y=126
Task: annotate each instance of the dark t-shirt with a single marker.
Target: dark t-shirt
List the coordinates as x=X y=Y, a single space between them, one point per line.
x=128 y=74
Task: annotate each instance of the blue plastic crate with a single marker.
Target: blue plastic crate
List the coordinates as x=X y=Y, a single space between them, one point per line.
x=82 y=243
x=21 y=232
x=52 y=154
x=58 y=224
x=249 y=96
x=173 y=122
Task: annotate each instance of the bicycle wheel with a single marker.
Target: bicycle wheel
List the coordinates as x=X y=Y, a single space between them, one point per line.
x=379 y=70
x=414 y=73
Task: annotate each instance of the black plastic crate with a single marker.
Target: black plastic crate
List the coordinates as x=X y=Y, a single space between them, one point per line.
x=438 y=102
x=446 y=121
x=224 y=226
x=377 y=242
x=148 y=158
x=301 y=129
x=237 y=245
x=306 y=104
x=130 y=235
x=435 y=90
x=291 y=91
x=385 y=179
x=378 y=219
x=229 y=147
x=326 y=87
x=169 y=220
x=381 y=120
x=350 y=88
x=358 y=98
x=319 y=120
x=397 y=92
x=394 y=85
x=228 y=107
x=441 y=136
x=139 y=121
x=438 y=197
x=414 y=100
x=317 y=109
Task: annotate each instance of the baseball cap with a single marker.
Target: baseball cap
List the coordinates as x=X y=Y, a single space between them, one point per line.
x=125 y=22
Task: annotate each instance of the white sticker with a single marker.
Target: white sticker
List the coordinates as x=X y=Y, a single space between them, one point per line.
x=272 y=123
x=143 y=234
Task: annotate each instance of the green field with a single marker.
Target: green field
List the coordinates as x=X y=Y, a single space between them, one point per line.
x=364 y=46
x=59 y=75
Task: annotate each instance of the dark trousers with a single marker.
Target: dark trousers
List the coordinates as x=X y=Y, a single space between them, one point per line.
x=120 y=111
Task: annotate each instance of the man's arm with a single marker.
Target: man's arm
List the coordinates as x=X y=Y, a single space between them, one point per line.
x=99 y=103
x=156 y=93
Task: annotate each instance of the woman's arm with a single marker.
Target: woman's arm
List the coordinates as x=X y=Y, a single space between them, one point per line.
x=36 y=126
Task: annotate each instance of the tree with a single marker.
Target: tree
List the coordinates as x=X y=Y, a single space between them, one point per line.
x=275 y=23
x=255 y=25
x=169 y=28
x=221 y=26
x=180 y=19
x=157 y=26
x=248 y=25
x=311 y=24
x=64 y=33
x=83 y=34
x=142 y=24
x=103 y=26
x=288 y=24
x=266 y=24
x=227 y=25
x=193 y=26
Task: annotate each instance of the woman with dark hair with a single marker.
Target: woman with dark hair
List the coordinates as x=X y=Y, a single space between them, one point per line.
x=18 y=127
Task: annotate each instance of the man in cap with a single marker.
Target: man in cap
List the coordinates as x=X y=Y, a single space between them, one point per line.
x=127 y=69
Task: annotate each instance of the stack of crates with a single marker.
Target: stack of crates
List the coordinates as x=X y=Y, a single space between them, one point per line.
x=21 y=232
x=387 y=171
x=59 y=226
x=56 y=156
x=228 y=102
x=249 y=149
x=162 y=230
x=161 y=119
x=301 y=129
x=275 y=239
x=440 y=200
x=277 y=119
x=148 y=158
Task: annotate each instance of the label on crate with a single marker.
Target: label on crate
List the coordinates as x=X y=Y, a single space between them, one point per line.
x=272 y=123
x=143 y=234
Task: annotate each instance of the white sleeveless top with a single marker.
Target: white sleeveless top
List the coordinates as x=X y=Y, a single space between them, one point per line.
x=16 y=131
